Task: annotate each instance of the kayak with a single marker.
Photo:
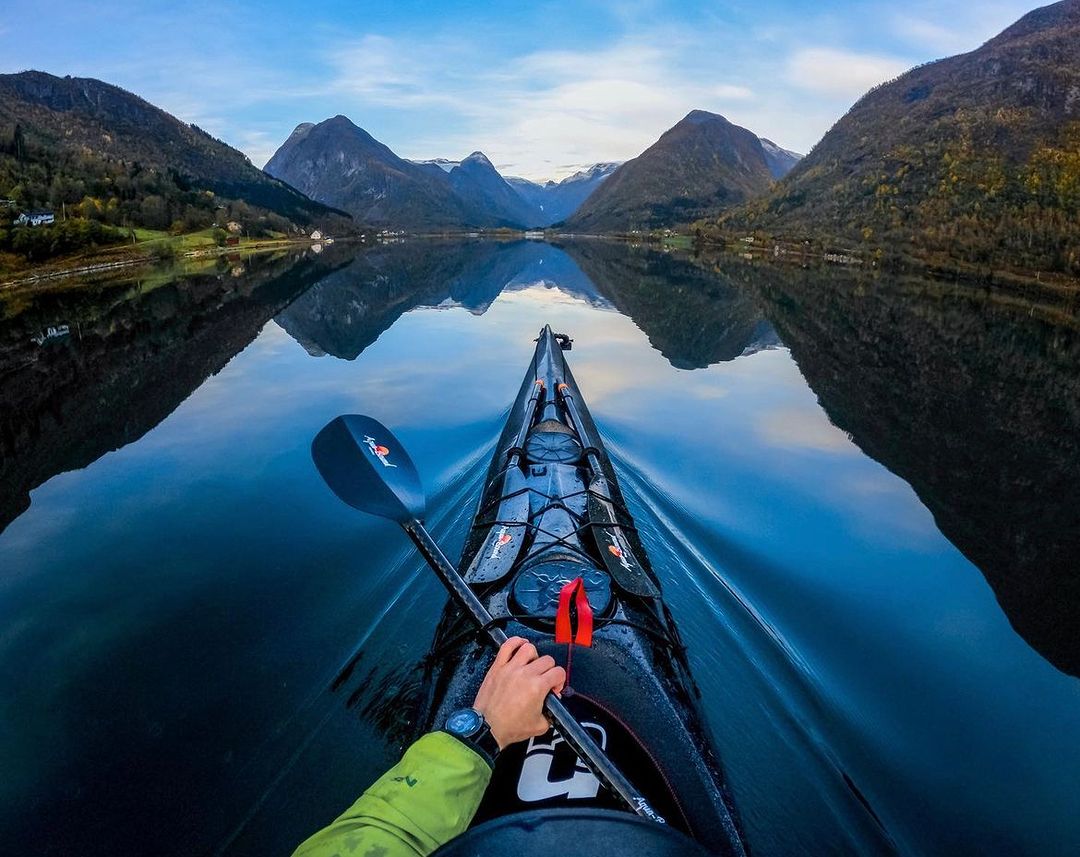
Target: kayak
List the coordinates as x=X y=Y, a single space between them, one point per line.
x=554 y=557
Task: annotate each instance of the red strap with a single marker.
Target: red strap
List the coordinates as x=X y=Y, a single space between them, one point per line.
x=574 y=591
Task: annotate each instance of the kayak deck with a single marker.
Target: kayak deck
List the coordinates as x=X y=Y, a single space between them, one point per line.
x=551 y=512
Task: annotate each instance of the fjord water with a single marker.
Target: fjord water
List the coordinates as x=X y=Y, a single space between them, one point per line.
x=861 y=495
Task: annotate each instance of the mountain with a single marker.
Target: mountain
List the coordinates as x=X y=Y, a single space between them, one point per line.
x=480 y=187
x=556 y=201
x=444 y=164
x=700 y=166
x=974 y=157
x=343 y=165
x=67 y=140
x=780 y=161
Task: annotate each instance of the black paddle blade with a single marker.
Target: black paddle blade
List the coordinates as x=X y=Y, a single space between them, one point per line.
x=503 y=541
x=366 y=466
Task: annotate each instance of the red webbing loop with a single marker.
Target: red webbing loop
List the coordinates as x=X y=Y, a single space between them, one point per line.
x=574 y=593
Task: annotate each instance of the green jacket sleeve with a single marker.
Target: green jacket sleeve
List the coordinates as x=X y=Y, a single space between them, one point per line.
x=426 y=799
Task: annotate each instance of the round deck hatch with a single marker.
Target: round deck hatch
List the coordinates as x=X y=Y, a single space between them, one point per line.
x=552 y=443
x=536 y=588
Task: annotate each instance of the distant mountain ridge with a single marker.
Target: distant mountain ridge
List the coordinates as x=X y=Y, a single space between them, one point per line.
x=341 y=164
x=478 y=183
x=556 y=201
x=974 y=157
x=698 y=167
x=88 y=131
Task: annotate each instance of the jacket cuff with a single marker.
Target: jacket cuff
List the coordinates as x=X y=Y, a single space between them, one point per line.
x=473 y=748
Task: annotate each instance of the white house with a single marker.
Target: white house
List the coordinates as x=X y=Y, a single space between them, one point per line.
x=316 y=235
x=40 y=217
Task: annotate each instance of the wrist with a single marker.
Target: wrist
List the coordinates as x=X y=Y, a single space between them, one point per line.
x=470 y=727
x=496 y=733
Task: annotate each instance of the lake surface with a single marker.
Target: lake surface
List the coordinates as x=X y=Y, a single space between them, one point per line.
x=862 y=495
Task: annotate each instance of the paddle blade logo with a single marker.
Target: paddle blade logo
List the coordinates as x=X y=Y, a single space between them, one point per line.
x=617 y=552
x=502 y=541
x=380 y=452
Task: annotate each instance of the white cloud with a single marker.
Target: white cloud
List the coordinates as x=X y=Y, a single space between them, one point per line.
x=943 y=29
x=730 y=92
x=937 y=38
x=841 y=74
x=536 y=112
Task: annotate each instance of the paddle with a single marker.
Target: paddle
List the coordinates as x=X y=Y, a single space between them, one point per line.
x=499 y=550
x=366 y=466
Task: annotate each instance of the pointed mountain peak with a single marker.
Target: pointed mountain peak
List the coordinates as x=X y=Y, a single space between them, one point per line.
x=478 y=158
x=702 y=117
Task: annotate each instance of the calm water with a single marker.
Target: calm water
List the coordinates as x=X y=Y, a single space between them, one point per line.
x=862 y=496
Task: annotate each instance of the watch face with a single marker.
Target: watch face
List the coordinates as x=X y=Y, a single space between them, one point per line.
x=464 y=722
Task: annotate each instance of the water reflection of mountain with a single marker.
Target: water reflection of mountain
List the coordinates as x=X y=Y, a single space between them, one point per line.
x=974 y=399
x=350 y=309
x=692 y=316
x=88 y=371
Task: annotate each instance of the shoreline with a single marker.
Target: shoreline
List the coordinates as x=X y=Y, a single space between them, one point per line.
x=116 y=259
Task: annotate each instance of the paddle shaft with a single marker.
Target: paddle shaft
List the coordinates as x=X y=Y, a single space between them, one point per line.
x=571 y=731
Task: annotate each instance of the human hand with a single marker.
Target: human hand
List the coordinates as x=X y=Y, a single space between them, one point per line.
x=511 y=697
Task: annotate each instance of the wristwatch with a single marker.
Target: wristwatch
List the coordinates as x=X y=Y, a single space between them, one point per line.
x=469 y=726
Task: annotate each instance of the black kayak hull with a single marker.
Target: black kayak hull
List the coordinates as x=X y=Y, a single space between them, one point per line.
x=552 y=509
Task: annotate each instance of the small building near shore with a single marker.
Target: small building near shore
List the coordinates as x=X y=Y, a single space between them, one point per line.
x=316 y=235
x=38 y=217
x=234 y=226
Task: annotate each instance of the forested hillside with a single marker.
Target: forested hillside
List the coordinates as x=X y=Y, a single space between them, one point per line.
x=976 y=158
x=99 y=158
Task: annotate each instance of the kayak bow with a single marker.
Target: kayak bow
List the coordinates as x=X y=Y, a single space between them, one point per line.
x=553 y=556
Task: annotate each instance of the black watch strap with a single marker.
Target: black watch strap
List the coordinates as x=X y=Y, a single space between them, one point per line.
x=482 y=741
x=486 y=744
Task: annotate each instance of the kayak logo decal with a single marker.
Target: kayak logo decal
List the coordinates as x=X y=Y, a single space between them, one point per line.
x=380 y=452
x=502 y=541
x=620 y=555
x=551 y=769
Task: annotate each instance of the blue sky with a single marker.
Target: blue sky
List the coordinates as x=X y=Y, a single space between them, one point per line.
x=541 y=87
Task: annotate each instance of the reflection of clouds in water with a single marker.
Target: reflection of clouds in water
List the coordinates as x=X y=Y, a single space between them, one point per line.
x=883 y=508
x=803 y=428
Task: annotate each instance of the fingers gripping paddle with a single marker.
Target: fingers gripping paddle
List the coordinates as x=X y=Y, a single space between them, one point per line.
x=367 y=468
